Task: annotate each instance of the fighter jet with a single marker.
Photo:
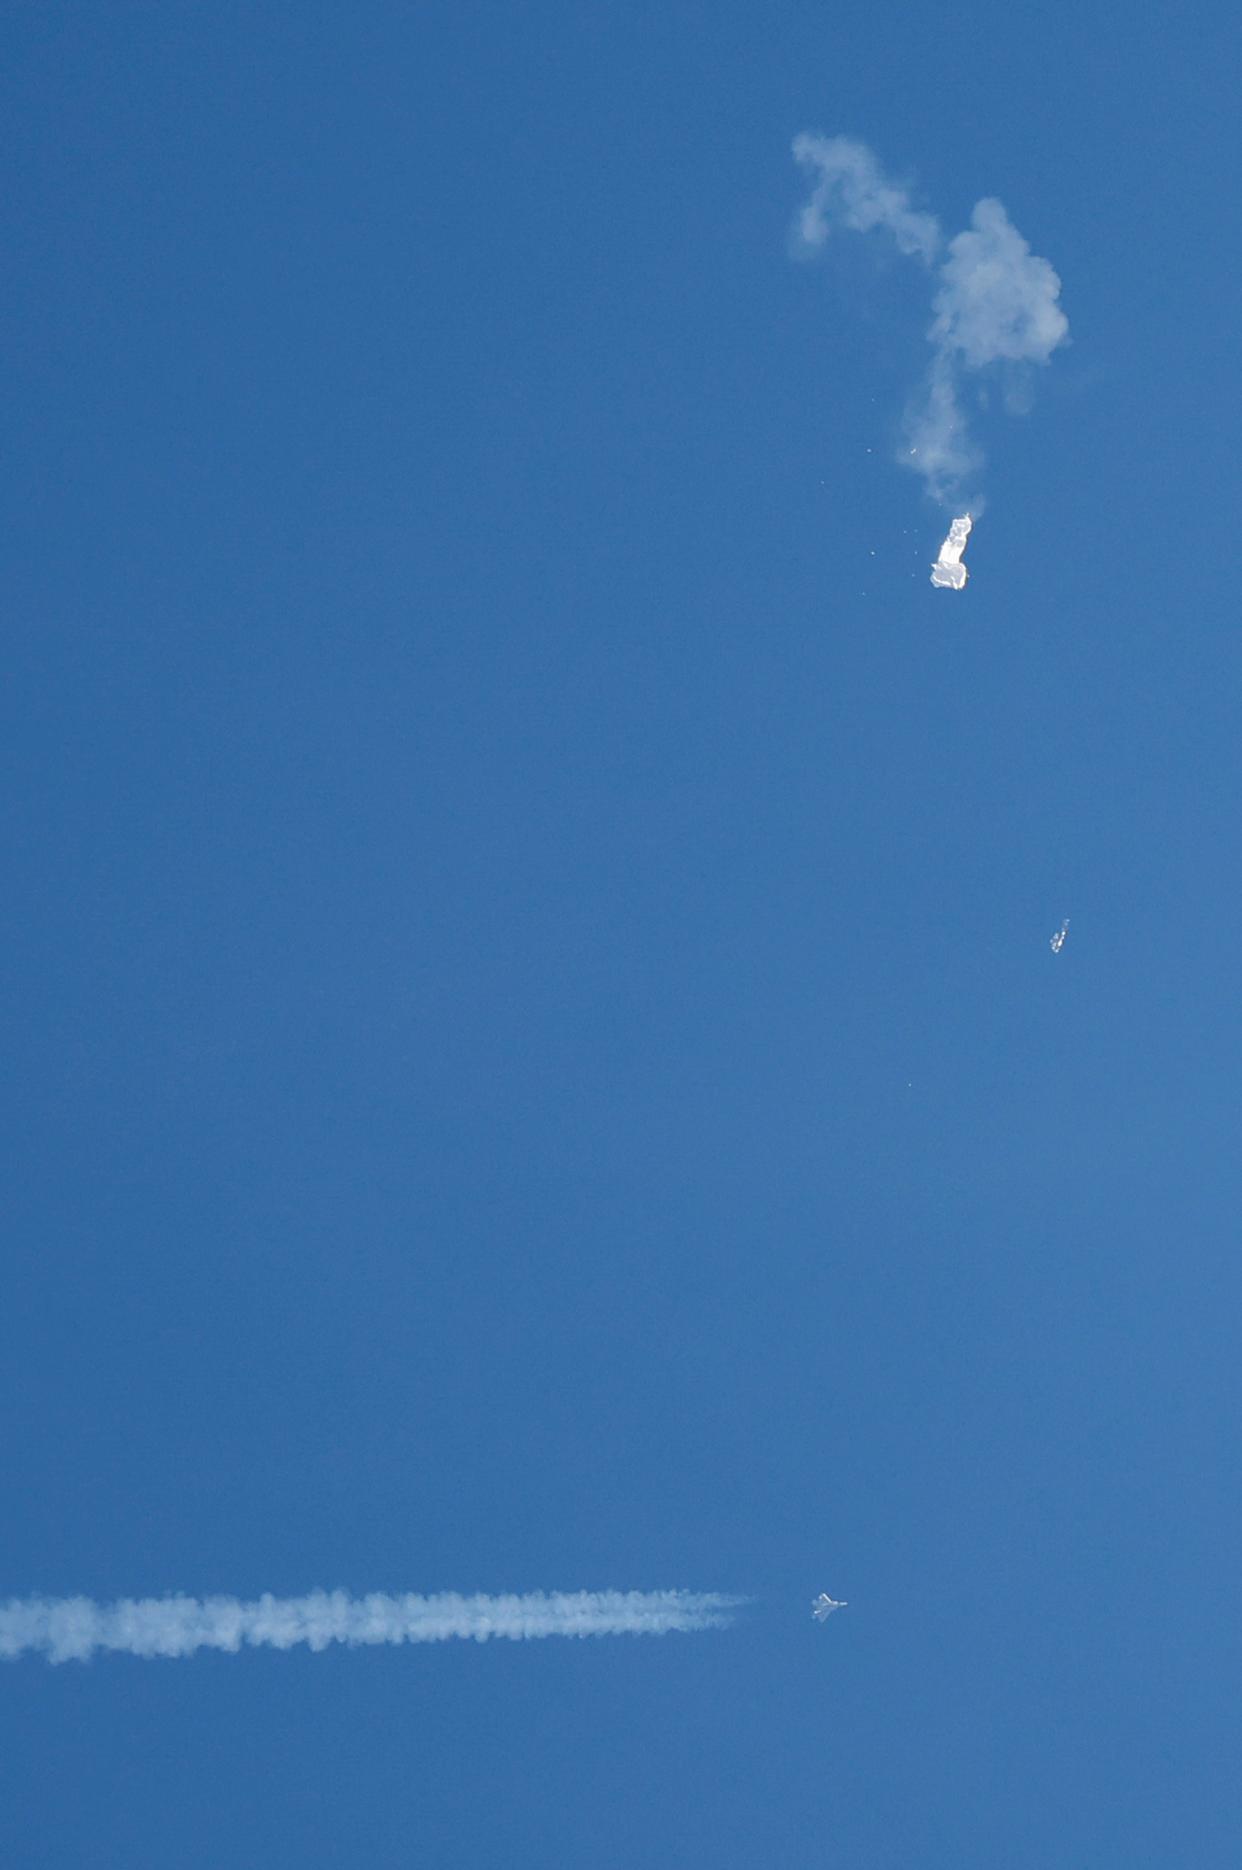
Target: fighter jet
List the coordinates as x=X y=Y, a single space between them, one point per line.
x=823 y=1607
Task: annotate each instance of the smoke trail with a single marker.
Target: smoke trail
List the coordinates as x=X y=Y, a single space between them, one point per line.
x=852 y=188
x=68 y=1629
x=996 y=301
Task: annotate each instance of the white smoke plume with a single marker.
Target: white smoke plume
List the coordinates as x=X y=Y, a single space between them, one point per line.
x=66 y=1629
x=852 y=190
x=995 y=301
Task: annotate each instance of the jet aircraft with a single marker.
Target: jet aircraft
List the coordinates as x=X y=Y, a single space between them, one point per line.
x=823 y=1607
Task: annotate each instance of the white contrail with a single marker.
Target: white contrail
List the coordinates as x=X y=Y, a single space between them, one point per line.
x=996 y=301
x=66 y=1629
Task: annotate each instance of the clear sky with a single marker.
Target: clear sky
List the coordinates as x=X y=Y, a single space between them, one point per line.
x=534 y=1060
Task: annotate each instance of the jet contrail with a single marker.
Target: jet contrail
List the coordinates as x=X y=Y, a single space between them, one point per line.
x=71 y=1629
x=995 y=301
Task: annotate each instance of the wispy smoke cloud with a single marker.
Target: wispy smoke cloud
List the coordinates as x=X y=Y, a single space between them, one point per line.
x=995 y=301
x=852 y=191
x=996 y=298
x=66 y=1629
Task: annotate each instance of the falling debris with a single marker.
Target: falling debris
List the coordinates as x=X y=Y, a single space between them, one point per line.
x=1058 y=940
x=948 y=572
x=823 y=1606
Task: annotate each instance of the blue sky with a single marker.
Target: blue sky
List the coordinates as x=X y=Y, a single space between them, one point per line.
x=534 y=1059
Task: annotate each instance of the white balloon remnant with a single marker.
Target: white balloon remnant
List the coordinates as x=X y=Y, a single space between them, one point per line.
x=1058 y=940
x=948 y=572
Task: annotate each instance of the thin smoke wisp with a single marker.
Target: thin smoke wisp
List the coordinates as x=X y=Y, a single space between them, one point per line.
x=72 y=1629
x=995 y=302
